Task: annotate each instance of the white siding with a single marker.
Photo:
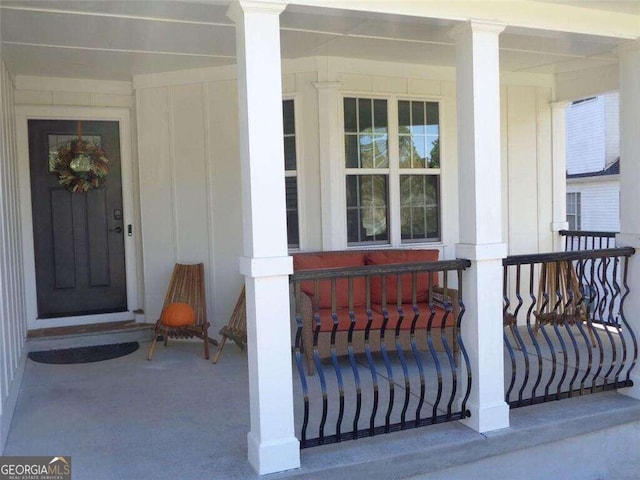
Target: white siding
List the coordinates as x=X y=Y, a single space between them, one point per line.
x=586 y=136
x=190 y=179
x=12 y=311
x=612 y=127
x=600 y=204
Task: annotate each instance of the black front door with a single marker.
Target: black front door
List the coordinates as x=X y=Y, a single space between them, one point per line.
x=78 y=236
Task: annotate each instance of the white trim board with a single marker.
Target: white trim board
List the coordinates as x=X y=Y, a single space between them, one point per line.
x=121 y=115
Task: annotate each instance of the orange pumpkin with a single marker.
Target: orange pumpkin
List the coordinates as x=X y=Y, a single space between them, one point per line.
x=178 y=315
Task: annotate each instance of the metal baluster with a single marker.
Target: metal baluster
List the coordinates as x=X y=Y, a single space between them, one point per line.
x=557 y=318
x=300 y=367
x=447 y=347
x=532 y=330
x=463 y=350
x=507 y=319
x=554 y=360
x=334 y=359
x=352 y=361
x=385 y=356
x=405 y=370
x=436 y=361
x=629 y=331
x=372 y=367
x=573 y=307
x=516 y=334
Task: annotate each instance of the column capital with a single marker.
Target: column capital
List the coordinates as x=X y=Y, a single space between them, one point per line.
x=238 y=8
x=266 y=266
x=632 y=46
x=476 y=26
x=479 y=252
x=328 y=85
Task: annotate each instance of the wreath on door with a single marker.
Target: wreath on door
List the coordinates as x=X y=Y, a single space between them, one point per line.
x=81 y=166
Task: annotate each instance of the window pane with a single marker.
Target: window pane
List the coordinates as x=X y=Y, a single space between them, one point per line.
x=366 y=151
x=433 y=147
x=404 y=117
x=417 y=118
x=351 y=151
x=381 y=151
x=367 y=208
x=380 y=115
x=288 y=117
x=364 y=114
x=419 y=145
x=433 y=118
x=350 y=116
x=419 y=152
x=291 y=190
x=289 y=153
x=420 y=210
x=405 y=151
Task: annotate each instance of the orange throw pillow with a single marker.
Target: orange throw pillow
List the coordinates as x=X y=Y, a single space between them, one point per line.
x=178 y=315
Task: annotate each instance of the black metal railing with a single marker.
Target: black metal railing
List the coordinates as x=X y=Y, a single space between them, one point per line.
x=565 y=331
x=378 y=349
x=576 y=240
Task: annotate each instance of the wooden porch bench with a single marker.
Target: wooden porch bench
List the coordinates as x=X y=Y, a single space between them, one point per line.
x=369 y=302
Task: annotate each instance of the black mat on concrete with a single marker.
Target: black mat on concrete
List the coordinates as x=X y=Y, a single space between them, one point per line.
x=85 y=354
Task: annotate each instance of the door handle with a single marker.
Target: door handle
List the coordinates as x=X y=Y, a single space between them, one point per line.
x=117 y=229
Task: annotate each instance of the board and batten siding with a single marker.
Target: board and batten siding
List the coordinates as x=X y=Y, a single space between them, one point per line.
x=190 y=183
x=12 y=299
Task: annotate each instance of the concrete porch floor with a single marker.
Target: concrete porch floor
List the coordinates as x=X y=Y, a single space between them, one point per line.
x=179 y=416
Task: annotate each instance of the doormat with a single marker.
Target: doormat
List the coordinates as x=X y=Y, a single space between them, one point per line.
x=84 y=354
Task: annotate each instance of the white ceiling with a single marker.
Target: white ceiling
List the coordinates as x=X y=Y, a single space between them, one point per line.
x=117 y=39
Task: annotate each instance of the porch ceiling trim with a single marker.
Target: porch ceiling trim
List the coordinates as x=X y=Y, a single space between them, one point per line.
x=523 y=13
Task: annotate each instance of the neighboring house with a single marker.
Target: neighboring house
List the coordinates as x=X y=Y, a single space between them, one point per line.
x=437 y=124
x=593 y=164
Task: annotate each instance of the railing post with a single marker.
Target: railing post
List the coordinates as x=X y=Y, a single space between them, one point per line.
x=480 y=186
x=629 y=61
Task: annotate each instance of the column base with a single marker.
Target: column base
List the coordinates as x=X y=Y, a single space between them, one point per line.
x=488 y=417
x=273 y=457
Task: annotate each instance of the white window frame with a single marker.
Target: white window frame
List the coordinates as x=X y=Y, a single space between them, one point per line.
x=394 y=171
x=297 y=173
x=577 y=202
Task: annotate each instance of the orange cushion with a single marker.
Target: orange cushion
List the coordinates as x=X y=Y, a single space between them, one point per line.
x=424 y=316
x=386 y=257
x=327 y=260
x=178 y=315
x=361 y=318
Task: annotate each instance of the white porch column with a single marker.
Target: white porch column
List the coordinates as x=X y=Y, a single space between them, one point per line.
x=479 y=179
x=331 y=176
x=559 y=172
x=629 y=58
x=272 y=445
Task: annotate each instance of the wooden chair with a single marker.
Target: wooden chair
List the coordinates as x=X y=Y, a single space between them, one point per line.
x=186 y=286
x=236 y=329
x=565 y=301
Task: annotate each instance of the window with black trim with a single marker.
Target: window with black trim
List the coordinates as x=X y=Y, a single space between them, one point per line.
x=291 y=173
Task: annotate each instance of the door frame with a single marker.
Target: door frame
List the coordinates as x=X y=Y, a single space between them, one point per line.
x=48 y=112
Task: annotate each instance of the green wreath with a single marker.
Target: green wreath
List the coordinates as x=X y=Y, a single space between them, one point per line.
x=81 y=166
